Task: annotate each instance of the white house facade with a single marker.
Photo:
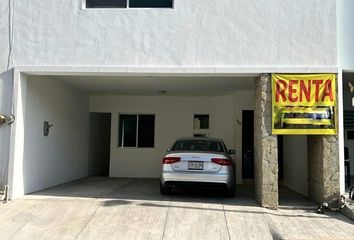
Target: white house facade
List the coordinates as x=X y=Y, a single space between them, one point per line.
x=68 y=69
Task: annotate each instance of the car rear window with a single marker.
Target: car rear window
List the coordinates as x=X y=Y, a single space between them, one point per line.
x=198 y=145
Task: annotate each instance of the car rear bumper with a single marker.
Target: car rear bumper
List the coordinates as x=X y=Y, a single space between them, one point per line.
x=180 y=179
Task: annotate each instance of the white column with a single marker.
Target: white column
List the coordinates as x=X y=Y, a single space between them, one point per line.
x=341 y=131
x=15 y=176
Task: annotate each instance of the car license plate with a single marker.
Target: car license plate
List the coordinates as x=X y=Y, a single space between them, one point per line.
x=194 y=165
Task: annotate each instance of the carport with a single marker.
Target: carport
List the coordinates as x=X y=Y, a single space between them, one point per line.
x=69 y=104
x=176 y=102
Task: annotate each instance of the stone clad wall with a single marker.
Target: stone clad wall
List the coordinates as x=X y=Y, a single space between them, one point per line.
x=331 y=168
x=323 y=168
x=266 y=145
x=323 y=161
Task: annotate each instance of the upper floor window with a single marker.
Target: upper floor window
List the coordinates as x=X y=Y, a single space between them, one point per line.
x=106 y=3
x=150 y=3
x=129 y=3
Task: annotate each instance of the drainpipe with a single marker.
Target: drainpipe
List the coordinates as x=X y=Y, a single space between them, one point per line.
x=5 y=119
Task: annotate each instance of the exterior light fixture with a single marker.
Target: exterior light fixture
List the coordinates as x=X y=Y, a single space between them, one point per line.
x=46 y=127
x=6 y=119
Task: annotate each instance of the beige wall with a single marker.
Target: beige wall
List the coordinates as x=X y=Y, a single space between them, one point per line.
x=173 y=119
x=295 y=163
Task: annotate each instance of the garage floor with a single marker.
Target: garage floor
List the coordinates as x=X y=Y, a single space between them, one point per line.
x=107 y=208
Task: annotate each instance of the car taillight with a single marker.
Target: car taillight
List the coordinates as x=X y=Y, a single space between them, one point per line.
x=222 y=161
x=169 y=160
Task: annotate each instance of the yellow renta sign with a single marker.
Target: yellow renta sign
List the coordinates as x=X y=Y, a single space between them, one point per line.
x=304 y=104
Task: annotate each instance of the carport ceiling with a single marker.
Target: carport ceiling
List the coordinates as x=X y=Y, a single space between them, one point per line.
x=149 y=86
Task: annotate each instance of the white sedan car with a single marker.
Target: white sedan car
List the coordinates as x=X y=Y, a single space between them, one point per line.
x=198 y=162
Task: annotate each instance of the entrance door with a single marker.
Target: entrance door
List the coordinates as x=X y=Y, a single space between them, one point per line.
x=280 y=157
x=100 y=141
x=247 y=144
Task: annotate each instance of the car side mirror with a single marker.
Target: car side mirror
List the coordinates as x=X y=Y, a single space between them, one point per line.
x=231 y=151
x=168 y=149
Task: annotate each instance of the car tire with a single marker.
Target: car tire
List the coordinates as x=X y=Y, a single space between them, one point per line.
x=165 y=190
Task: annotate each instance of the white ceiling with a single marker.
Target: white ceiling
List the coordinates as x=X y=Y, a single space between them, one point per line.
x=148 y=86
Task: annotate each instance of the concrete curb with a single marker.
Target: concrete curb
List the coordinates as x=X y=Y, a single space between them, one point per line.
x=348 y=211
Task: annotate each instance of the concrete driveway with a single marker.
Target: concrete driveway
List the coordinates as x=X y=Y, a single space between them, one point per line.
x=108 y=208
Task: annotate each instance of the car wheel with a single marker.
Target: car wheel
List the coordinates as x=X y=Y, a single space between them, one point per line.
x=165 y=190
x=230 y=192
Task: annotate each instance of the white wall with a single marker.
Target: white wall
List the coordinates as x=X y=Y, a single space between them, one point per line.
x=173 y=119
x=295 y=163
x=243 y=100
x=4 y=33
x=194 y=33
x=62 y=156
x=5 y=91
x=5 y=108
x=345 y=28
